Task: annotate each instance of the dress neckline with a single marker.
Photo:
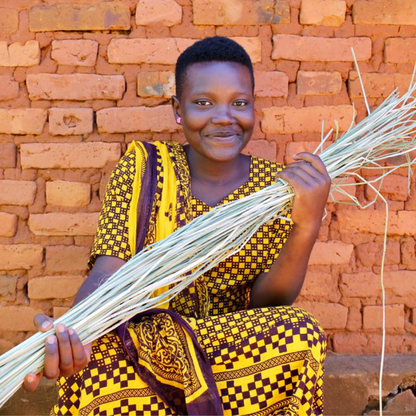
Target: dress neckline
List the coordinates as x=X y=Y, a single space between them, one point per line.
x=236 y=191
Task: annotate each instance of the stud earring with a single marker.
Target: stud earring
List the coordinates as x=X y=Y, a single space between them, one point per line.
x=178 y=120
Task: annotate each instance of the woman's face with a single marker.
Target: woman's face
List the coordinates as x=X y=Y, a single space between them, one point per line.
x=217 y=109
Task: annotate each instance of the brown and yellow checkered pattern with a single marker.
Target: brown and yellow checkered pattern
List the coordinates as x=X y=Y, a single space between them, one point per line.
x=265 y=361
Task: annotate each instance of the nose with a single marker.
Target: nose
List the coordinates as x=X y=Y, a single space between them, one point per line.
x=223 y=116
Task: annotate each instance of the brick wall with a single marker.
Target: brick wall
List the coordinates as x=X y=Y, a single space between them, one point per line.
x=80 y=80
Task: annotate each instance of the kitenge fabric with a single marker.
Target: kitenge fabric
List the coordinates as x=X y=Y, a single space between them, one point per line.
x=208 y=348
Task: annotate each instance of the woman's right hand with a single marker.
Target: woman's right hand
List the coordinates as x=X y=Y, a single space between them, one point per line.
x=64 y=353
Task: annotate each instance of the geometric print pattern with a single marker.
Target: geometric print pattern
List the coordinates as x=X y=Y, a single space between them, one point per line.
x=228 y=284
x=266 y=361
x=252 y=374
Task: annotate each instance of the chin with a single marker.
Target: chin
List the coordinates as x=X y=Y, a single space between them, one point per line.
x=223 y=155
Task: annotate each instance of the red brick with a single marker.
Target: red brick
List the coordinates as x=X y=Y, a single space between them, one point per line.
x=350 y=343
x=156 y=84
x=82 y=52
x=318 y=83
x=289 y=120
x=400 y=283
x=329 y=315
x=261 y=148
x=400 y=223
x=18 y=318
x=68 y=155
x=331 y=252
x=22 y=120
x=165 y=12
x=7 y=155
x=245 y=12
x=372 y=317
x=8 y=224
x=63 y=224
x=393 y=187
x=271 y=84
x=370 y=254
x=8 y=285
x=152 y=51
x=165 y=51
x=348 y=186
x=19 y=54
x=315 y=281
x=68 y=194
x=322 y=12
x=317 y=49
x=20 y=256
x=60 y=17
x=9 y=89
x=9 y=21
x=70 y=121
x=384 y=12
x=67 y=259
x=400 y=51
x=377 y=85
x=252 y=45
x=58 y=311
x=54 y=287
x=79 y=87
x=17 y=192
x=408 y=252
x=135 y=119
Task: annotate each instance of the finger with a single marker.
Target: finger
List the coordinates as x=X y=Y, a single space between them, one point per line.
x=314 y=160
x=309 y=170
x=43 y=322
x=51 y=369
x=31 y=381
x=66 y=363
x=79 y=353
x=308 y=179
x=293 y=178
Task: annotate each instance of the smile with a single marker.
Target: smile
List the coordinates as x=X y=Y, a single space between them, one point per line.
x=225 y=139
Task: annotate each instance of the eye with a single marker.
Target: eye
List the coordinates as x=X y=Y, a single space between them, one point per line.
x=240 y=103
x=203 y=103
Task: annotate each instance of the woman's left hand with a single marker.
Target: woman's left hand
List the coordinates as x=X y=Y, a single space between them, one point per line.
x=311 y=183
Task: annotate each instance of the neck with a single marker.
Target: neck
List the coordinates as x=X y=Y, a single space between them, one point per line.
x=210 y=171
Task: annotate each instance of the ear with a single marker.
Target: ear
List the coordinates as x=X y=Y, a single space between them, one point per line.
x=176 y=107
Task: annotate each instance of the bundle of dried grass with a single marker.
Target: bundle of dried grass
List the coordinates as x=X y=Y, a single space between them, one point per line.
x=386 y=133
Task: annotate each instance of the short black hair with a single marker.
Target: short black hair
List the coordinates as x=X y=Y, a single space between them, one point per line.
x=216 y=48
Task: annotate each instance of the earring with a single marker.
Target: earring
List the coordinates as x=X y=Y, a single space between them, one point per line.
x=178 y=120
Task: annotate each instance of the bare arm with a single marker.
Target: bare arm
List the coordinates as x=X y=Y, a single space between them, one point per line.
x=282 y=284
x=64 y=353
x=104 y=267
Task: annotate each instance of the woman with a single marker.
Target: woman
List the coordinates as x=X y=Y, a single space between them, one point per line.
x=227 y=344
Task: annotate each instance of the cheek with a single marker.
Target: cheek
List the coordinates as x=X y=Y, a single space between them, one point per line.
x=196 y=120
x=247 y=119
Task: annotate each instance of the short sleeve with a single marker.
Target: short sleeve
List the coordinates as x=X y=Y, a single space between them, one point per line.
x=112 y=235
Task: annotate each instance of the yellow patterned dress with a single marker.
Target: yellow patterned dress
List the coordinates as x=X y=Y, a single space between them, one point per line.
x=266 y=361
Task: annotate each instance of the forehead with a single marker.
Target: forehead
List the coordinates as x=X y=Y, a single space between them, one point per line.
x=217 y=77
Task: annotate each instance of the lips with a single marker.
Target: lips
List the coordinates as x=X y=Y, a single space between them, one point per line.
x=225 y=139
x=223 y=133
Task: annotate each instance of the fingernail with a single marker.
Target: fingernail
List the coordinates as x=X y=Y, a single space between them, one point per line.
x=71 y=332
x=30 y=379
x=51 y=340
x=295 y=155
x=45 y=325
x=60 y=328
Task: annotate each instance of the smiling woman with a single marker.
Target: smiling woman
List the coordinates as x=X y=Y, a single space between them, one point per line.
x=229 y=343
